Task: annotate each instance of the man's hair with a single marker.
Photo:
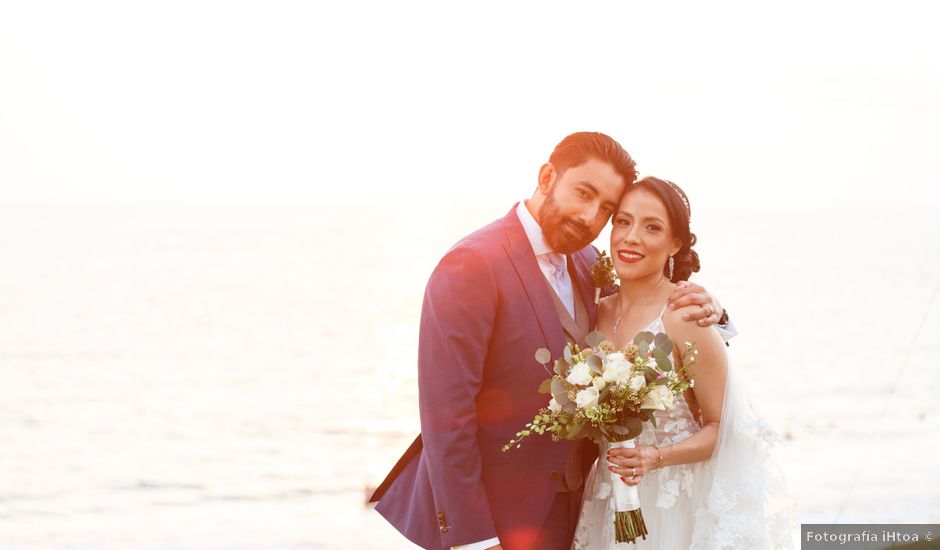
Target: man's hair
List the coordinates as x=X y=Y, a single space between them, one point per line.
x=577 y=148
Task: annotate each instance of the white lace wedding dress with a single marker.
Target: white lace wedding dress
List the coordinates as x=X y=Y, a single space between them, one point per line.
x=736 y=499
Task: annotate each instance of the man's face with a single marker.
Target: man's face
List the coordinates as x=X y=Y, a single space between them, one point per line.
x=579 y=204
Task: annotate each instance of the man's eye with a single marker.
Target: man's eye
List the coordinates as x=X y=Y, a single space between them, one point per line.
x=582 y=193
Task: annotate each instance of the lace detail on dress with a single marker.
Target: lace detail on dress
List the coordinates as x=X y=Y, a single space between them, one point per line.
x=749 y=505
x=736 y=499
x=672 y=426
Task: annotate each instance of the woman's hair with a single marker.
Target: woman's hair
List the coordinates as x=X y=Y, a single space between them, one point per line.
x=679 y=212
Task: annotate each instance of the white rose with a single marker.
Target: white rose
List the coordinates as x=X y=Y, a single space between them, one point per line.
x=554 y=406
x=580 y=374
x=637 y=382
x=617 y=373
x=659 y=398
x=599 y=383
x=616 y=357
x=586 y=398
x=618 y=364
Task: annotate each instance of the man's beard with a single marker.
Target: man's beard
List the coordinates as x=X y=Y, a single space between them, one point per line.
x=555 y=228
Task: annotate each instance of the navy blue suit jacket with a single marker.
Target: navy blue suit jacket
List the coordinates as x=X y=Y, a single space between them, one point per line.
x=487 y=309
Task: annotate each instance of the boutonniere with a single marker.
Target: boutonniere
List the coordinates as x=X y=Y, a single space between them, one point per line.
x=603 y=275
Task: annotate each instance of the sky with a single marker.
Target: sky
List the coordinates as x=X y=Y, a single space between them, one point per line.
x=815 y=103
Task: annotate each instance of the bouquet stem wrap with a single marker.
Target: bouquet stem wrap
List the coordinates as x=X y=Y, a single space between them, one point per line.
x=628 y=519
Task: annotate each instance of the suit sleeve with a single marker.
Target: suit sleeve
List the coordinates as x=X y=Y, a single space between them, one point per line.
x=727 y=332
x=456 y=323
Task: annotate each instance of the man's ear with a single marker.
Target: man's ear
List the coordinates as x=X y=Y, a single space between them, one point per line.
x=547 y=175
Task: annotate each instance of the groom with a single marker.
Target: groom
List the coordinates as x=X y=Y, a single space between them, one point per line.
x=521 y=283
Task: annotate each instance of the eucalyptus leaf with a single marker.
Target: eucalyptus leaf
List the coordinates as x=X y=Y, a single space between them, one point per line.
x=662 y=360
x=559 y=391
x=642 y=338
x=568 y=357
x=661 y=341
x=595 y=363
x=546 y=386
x=594 y=339
x=543 y=356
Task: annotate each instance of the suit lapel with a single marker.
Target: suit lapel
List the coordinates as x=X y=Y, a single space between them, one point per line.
x=533 y=281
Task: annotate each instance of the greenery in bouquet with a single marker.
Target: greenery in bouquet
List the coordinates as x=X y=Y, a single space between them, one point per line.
x=602 y=392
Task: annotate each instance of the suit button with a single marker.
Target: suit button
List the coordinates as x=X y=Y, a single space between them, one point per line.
x=555 y=474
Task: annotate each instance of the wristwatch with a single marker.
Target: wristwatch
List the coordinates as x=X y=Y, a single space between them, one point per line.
x=723 y=320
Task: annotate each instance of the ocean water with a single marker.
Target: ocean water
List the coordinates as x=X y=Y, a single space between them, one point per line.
x=234 y=376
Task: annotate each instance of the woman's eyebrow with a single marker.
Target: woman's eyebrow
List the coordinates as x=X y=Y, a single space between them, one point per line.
x=645 y=218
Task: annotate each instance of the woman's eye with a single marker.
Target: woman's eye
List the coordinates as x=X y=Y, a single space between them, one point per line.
x=652 y=227
x=623 y=221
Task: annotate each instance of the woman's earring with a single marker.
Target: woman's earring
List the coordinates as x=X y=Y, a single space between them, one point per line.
x=672 y=266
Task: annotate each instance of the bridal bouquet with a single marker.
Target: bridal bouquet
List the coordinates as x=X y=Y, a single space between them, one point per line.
x=607 y=394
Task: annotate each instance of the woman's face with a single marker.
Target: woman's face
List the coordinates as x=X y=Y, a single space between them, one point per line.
x=641 y=239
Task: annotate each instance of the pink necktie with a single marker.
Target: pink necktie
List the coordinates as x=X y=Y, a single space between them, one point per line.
x=561 y=281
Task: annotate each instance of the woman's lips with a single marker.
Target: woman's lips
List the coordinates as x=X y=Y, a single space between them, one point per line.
x=629 y=256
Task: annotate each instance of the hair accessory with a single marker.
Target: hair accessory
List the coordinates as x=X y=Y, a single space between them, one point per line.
x=685 y=200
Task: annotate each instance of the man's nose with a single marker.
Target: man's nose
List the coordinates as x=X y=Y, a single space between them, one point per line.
x=589 y=214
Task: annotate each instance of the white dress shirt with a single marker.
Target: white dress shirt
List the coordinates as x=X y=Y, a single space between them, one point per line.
x=554 y=265
x=483 y=545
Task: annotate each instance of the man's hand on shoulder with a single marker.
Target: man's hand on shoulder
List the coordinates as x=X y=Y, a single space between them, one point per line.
x=707 y=310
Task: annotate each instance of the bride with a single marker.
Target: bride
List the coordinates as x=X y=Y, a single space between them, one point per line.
x=704 y=472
